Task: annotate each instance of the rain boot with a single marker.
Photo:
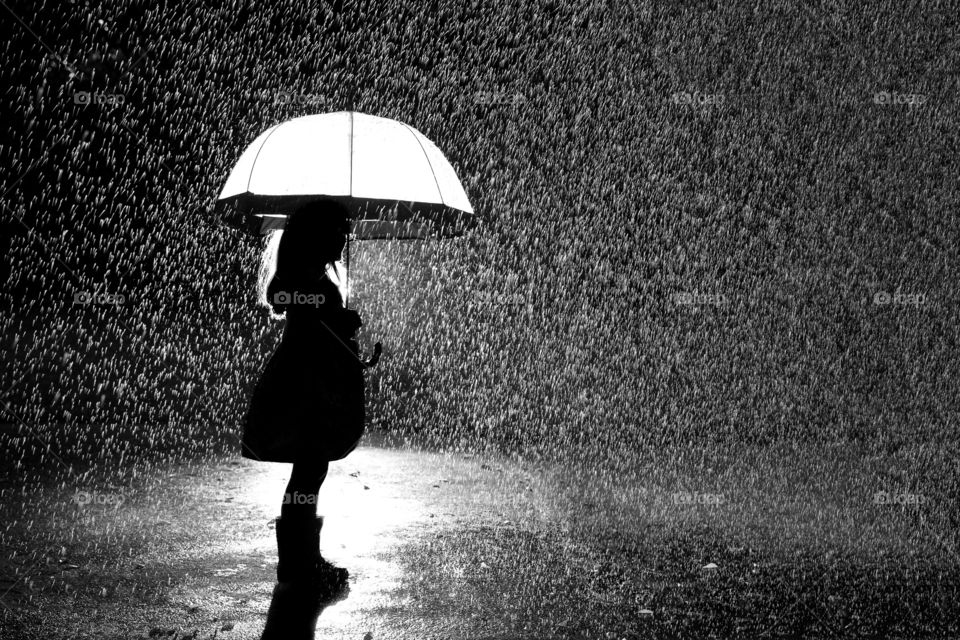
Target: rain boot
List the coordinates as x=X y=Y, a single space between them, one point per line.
x=299 y=559
x=326 y=572
x=295 y=556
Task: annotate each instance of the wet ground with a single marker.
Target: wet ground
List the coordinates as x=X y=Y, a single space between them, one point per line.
x=457 y=546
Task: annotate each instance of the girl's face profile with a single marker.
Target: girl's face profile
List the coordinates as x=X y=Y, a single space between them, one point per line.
x=337 y=240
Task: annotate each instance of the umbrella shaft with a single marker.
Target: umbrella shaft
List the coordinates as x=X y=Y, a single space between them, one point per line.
x=346 y=277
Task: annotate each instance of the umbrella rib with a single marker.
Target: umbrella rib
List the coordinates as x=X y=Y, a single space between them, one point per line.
x=256 y=157
x=432 y=172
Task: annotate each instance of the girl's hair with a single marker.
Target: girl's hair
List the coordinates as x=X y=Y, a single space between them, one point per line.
x=291 y=251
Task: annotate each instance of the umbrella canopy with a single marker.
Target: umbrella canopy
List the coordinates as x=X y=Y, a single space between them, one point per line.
x=394 y=181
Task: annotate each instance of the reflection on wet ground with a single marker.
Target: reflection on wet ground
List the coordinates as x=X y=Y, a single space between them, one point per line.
x=456 y=546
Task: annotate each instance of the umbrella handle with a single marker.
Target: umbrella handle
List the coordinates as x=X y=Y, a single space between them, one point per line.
x=375 y=358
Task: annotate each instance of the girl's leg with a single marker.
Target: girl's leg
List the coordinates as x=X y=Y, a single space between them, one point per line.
x=300 y=499
x=298 y=529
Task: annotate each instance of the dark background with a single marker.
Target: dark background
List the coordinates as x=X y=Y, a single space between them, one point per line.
x=762 y=155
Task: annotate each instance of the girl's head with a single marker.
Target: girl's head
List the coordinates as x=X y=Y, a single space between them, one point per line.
x=311 y=241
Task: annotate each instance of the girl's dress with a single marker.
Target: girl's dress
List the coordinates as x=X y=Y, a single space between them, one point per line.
x=309 y=401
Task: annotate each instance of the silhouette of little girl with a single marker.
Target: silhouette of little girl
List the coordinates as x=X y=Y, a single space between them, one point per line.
x=307 y=407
